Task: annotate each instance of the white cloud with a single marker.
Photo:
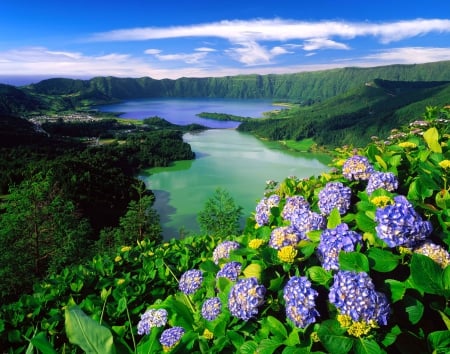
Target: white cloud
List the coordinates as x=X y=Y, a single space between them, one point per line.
x=188 y=58
x=205 y=49
x=323 y=43
x=410 y=55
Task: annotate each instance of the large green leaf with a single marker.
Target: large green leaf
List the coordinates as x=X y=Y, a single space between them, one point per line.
x=41 y=342
x=275 y=327
x=268 y=346
x=382 y=260
x=431 y=136
x=414 y=308
x=353 y=261
x=88 y=334
x=367 y=346
x=426 y=274
x=439 y=341
x=319 y=275
x=333 y=338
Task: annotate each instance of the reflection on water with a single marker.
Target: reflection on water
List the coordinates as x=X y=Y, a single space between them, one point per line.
x=235 y=161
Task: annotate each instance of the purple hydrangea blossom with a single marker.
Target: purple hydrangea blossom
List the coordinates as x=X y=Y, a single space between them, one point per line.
x=170 y=337
x=354 y=295
x=307 y=220
x=357 y=168
x=294 y=206
x=211 y=308
x=332 y=241
x=245 y=297
x=151 y=318
x=399 y=224
x=384 y=180
x=284 y=236
x=223 y=250
x=190 y=281
x=334 y=195
x=263 y=209
x=230 y=270
x=300 y=301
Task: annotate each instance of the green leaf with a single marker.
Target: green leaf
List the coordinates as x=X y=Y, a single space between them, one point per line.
x=293 y=338
x=367 y=346
x=431 y=137
x=414 y=308
x=353 y=261
x=41 y=342
x=364 y=222
x=88 y=334
x=381 y=162
x=426 y=274
x=333 y=338
x=248 y=347
x=391 y=337
x=334 y=219
x=382 y=260
x=209 y=266
x=446 y=278
x=439 y=341
x=235 y=338
x=275 y=327
x=276 y=283
x=397 y=289
x=445 y=319
x=268 y=346
x=319 y=275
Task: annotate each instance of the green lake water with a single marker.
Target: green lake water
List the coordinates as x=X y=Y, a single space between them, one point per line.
x=226 y=158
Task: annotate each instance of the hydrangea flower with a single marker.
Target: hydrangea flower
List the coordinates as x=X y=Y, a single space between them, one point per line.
x=287 y=254
x=307 y=220
x=263 y=209
x=354 y=295
x=245 y=297
x=357 y=168
x=211 y=308
x=230 y=270
x=151 y=318
x=256 y=243
x=334 y=195
x=300 y=301
x=399 y=224
x=294 y=205
x=332 y=241
x=284 y=236
x=190 y=281
x=435 y=252
x=170 y=337
x=384 y=180
x=223 y=250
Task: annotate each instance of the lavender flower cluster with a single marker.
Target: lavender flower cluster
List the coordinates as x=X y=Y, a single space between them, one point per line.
x=300 y=301
x=284 y=236
x=211 y=308
x=400 y=225
x=245 y=297
x=357 y=168
x=190 y=281
x=384 y=180
x=332 y=241
x=151 y=318
x=170 y=337
x=223 y=250
x=354 y=295
x=263 y=209
x=230 y=270
x=334 y=195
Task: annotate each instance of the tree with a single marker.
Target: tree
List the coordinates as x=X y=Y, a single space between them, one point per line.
x=40 y=232
x=220 y=215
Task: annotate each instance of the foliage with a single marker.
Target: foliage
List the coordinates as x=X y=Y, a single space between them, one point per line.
x=284 y=299
x=220 y=215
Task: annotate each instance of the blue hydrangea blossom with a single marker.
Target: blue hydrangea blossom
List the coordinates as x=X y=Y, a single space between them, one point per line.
x=384 y=180
x=170 y=337
x=357 y=168
x=230 y=270
x=307 y=220
x=245 y=297
x=334 y=195
x=294 y=206
x=354 y=295
x=332 y=241
x=151 y=318
x=399 y=224
x=190 y=281
x=223 y=250
x=284 y=236
x=211 y=308
x=300 y=301
x=263 y=209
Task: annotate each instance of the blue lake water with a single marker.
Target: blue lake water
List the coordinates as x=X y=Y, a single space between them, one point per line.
x=184 y=111
x=237 y=162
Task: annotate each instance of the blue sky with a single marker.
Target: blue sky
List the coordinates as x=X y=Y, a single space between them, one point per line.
x=172 y=39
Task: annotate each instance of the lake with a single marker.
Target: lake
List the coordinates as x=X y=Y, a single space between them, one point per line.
x=237 y=162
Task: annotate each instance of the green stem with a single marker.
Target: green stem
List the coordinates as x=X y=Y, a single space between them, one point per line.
x=131 y=328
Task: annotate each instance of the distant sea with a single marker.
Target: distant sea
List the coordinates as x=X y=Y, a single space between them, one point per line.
x=19 y=80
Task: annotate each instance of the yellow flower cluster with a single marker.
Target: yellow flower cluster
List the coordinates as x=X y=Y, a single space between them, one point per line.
x=407 y=145
x=381 y=201
x=117 y=259
x=256 y=243
x=125 y=249
x=287 y=254
x=445 y=164
x=355 y=328
x=208 y=334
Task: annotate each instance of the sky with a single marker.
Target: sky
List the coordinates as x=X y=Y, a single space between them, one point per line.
x=205 y=38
